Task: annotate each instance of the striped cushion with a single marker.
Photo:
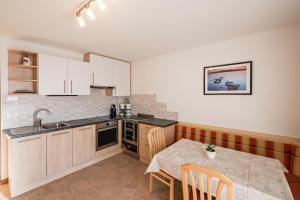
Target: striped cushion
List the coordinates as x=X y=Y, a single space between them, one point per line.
x=287 y=153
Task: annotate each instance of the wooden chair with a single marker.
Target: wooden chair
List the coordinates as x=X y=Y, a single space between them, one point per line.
x=157 y=143
x=192 y=171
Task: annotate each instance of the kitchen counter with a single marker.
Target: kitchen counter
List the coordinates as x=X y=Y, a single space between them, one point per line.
x=150 y=121
x=31 y=130
x=158 y=122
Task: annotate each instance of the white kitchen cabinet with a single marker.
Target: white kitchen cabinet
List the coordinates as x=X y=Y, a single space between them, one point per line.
x=101 y=71
x=121 y=78
x=27 y=162
x=53 y=75
x=84 y=144
x=59 y=151
x=78 y=78
x=61 y=76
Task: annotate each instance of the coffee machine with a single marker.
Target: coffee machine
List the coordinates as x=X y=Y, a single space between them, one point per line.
x=113 y=111
x=125 y=108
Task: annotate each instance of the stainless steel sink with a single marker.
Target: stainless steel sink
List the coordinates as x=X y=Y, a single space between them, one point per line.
x=54 y=125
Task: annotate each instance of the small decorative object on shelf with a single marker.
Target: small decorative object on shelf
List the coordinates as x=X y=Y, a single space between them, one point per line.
x=210 y=151
x=27 y=60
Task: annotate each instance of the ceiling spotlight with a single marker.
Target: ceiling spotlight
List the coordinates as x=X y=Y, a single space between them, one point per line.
x=90 y=13
x=101 y=4
x=80 y=20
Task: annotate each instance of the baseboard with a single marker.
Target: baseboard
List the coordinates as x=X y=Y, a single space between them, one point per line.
x=48 y=179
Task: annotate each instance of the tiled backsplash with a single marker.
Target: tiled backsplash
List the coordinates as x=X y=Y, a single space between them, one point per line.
x=147 y=103
x=19 y=113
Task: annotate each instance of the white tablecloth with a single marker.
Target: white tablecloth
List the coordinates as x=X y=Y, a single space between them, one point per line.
x=256 y=177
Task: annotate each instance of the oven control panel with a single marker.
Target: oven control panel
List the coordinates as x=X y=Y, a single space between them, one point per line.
x=107 y=124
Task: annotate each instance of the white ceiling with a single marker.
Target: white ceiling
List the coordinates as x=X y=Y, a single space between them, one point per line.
x=137 y=29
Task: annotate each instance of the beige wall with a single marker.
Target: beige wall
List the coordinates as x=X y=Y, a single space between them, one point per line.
x=274 y=107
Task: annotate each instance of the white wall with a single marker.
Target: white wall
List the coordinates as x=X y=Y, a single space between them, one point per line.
x=273 y=108
x=8 y=43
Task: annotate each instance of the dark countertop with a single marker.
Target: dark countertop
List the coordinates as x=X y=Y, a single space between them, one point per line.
x=14 y=133
x=151 y=121
x=158 y=122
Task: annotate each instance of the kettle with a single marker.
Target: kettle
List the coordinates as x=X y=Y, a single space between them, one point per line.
x=113 y=111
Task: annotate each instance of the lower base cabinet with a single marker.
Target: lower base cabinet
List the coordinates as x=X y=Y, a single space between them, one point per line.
x=84 y=144
x=27 y=161
x=59 y=151
x=144 y=150
x=38 y=159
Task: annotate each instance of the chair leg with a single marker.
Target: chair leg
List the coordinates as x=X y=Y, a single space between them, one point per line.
x=171 y=189
x=151 y=182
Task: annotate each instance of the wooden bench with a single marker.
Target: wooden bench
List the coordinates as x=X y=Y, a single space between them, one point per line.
x=285 y=149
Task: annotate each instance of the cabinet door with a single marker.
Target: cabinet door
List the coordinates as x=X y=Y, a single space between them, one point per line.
x=28 y=161
x=144 y=150
x=78 y=78
x=101 y=70
x=59 y=151
x=52 y=75
x=84 y=144
x=121 y=76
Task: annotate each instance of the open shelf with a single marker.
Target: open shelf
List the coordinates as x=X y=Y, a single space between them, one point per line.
x=22 y=78
x=24 y=66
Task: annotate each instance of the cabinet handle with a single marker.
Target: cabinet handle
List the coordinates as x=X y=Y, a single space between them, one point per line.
x=71 y=87
x=82 y=129
x=59 y=133
x=64 y=86
x=93 y=78
x=30 y=139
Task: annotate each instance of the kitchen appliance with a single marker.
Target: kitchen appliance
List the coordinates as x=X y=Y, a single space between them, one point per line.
x=113 y=111
x=125 y=108
x=122 y=109
x=130 y=134
x=106 y=134
x=128 y=110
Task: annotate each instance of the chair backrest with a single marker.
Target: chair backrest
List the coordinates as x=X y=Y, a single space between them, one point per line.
x=156 y=139
x=194 y=173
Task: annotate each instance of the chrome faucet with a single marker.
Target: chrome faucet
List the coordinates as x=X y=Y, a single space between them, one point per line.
x=37 y=122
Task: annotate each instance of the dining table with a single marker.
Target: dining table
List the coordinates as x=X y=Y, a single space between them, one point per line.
x=255 y=177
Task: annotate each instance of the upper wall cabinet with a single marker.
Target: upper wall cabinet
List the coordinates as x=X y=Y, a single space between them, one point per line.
x=101 y=71
x=53 y=75
x=61 y=76
x=109 y=73
x=121 y=78
x=78 y=78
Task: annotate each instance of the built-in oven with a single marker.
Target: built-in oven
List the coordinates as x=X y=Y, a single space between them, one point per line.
x=106 y=134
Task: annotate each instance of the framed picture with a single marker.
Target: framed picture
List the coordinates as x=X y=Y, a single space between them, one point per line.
x=230 y=79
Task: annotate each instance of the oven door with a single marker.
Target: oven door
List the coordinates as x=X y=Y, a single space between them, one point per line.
x=106 y=137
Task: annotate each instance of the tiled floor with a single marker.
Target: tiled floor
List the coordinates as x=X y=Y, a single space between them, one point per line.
x=119 y=177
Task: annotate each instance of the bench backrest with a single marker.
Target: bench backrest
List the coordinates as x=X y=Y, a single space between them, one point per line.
x=285 y=150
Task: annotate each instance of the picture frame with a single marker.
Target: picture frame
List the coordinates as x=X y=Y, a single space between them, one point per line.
x=228 y=79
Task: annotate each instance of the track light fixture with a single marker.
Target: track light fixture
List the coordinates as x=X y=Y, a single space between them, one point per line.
x=89 y=12
x=101 y=4
x=80 y=20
